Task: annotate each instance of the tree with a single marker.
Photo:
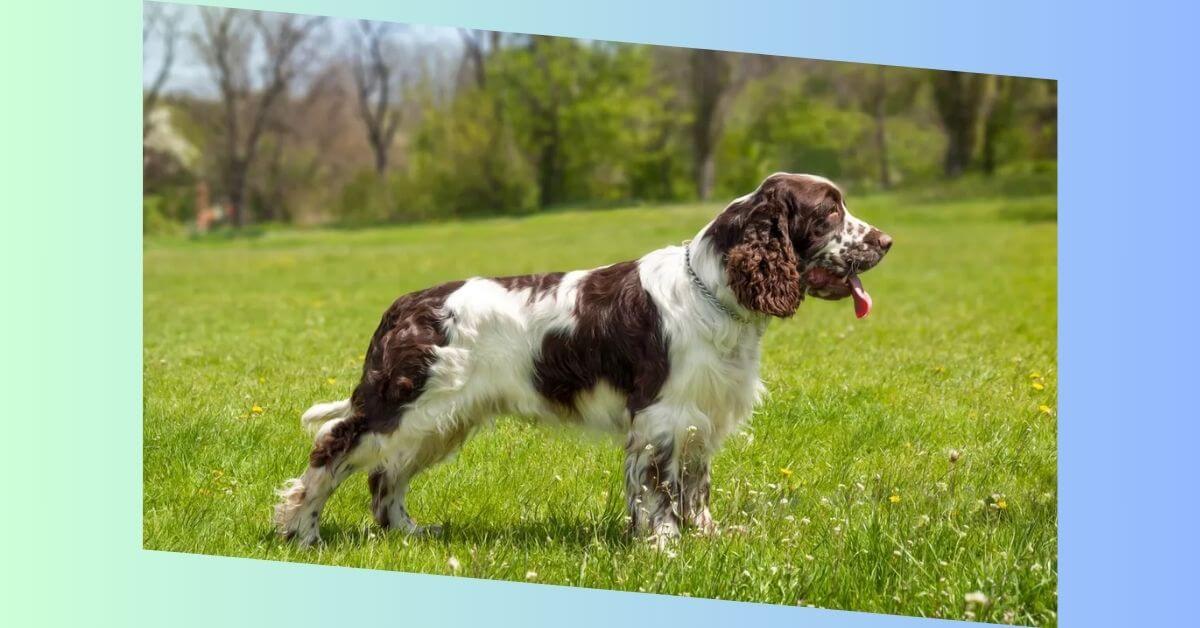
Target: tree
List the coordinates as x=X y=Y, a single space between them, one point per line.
x=248 y=98
x=378 y=73
x=880 y=92
x=477 y=46
x=714 y=81
x=958 y=97
x=999 y=116
x=158 y=20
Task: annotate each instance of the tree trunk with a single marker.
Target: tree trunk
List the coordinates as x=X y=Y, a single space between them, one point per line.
x=709 y=81
x=999 y=116
x=706 y=168
x=236 y=182
x=958 y=96
x=549 y=174
x=881 y=145
x=381 y=158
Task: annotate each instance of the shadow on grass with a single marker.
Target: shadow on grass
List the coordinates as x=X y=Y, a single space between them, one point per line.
x=555 y=530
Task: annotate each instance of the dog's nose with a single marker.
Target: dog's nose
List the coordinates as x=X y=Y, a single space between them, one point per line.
x=879 y=239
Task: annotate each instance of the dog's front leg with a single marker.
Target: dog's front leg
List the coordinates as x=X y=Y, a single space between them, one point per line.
x=696 y=481
x=652 y=486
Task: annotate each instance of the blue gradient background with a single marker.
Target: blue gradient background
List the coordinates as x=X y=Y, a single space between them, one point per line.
x=71 y=509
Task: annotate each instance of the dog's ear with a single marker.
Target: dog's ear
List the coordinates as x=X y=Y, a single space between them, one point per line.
x=762 y=267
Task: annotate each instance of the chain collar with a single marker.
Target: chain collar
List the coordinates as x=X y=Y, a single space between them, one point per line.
x=704 y=290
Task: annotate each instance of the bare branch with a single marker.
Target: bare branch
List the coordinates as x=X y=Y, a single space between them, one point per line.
x=158 y=20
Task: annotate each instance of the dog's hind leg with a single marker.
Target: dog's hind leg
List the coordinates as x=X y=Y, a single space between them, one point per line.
x=342 y=448
x=389 y=481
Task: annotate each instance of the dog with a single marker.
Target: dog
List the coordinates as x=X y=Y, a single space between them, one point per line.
x=662 y=352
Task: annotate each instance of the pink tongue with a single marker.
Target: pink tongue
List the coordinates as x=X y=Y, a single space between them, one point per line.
x=862 y=300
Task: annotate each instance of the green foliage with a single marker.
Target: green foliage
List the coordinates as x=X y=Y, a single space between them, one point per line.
x=365 y=199
x=556 y=122
x=590 y=118
x=158 y=217
x=465 y=164
x=965 y=310
x=797 y=129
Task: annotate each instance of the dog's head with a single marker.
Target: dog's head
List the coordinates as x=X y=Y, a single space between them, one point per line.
x=791 y=237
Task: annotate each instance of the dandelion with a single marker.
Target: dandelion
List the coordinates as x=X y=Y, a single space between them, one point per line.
x=1035 y=375
x=1002 y=504
x=256 y=409
x=976 y=597
x=786 y=472
x=331 y=380
x=939 y=369
x=1045 y=409
x=453 y=564
x=531 y=575
x=1039 y=386
x=895 y=499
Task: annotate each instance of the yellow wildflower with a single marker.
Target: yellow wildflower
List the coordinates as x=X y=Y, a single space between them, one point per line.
x=331 y=380
x=787 y=473
x=1039 y=386
x=895 y=499
x=1045 y=409
x=256 y=409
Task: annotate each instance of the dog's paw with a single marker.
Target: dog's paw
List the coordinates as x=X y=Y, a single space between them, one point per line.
x=302 y=538
x=703 y=525
x=427 y=531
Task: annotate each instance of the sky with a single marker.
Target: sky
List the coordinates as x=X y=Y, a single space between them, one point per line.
x=189 y=74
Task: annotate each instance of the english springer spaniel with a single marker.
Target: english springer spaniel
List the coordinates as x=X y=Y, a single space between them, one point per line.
x=662 y=351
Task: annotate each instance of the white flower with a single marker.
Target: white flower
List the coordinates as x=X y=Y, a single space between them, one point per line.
x=531 y=575
x=454 y=564
x=976 y=597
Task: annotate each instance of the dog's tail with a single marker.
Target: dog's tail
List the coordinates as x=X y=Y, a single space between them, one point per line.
x=321 y=414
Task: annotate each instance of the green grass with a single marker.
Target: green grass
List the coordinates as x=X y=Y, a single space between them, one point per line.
x=840 y=493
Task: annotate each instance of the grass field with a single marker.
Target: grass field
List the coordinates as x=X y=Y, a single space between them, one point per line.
x=900 y=464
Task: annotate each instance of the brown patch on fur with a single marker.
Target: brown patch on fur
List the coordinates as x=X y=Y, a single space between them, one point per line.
x=766 y=239
x=538 y=285
x=394 y=372
x=377 y=483
x=618 y=338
